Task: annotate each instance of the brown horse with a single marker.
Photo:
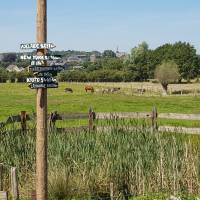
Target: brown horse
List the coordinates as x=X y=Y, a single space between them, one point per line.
x=89 y=88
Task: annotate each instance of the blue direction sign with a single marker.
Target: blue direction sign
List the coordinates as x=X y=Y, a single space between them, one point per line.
x=37 y=46
x=53 y=68
x=43 y=85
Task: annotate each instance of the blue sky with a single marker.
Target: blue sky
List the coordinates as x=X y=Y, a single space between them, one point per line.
x=102 y=24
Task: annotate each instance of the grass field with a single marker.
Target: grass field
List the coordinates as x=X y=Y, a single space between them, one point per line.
x=15 y=97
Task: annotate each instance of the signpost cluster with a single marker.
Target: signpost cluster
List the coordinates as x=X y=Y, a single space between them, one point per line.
x=44 y=75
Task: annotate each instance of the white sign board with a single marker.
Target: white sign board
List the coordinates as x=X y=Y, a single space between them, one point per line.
x=37 y=46
x=36 y=57
x=41 y=80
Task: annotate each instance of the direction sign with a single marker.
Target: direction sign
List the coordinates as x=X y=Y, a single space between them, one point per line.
x=45 y=74
x=53 y=68
x=43 y=85
x=37 y=46
x=37 y=62
x=39 y=58
x=41 y=80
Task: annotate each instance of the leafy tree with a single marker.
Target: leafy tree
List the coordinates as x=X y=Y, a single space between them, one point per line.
x=167 y=73
x=137 y=62
x=108 y=54
x=112 y=63
x=3 y=75
x=9 y=57
x=184 y=56
x=139 y=51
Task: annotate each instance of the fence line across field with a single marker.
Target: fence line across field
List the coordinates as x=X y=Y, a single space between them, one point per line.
x=23 y=118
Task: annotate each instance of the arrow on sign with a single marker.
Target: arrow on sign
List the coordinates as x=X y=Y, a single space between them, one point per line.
x=45 y=74
x=37 y=46
x=50 y=69
x=43 y=85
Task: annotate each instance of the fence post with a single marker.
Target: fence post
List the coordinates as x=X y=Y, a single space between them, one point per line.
x=33 y=195
x=14 y=184
x=1 y=177
x=3 y=195
x=154 y=116
x=52 y=120
x=23 y=120
x=111 y=191
x=92 y=117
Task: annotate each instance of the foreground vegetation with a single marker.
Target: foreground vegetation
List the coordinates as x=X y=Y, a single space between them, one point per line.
x=83 y=164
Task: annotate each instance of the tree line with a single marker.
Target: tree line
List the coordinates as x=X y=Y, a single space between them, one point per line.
x=139 y=65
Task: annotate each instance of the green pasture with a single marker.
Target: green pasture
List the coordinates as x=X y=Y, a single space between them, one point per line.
x=15 y=97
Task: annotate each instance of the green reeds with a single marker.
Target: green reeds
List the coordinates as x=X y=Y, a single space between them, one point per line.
x=84 y=163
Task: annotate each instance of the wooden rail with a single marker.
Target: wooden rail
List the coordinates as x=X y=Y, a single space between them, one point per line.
x=23 y=117
x=143 y=115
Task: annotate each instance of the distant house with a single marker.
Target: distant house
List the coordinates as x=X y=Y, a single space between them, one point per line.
x=93 y=58
x=14 y=68
x=1 y=57
x=120 y=54
x=77 y=58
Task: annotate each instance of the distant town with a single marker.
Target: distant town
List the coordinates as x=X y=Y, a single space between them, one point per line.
x=137 y=65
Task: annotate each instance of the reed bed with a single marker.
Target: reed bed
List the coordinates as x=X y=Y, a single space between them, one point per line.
x=84 y=164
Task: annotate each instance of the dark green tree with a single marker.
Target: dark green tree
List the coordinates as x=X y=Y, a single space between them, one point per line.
x=108 y=54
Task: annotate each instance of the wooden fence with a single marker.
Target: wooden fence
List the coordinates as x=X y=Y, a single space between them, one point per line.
x=91 y=116
x=14 y=191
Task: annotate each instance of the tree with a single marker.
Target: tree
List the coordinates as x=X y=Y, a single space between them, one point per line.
x=183 y=54
x=109 y=54
x=112 y=63
x=9 y=57
x=167 y=73
x=3 y=75
x=139 y=51
x=137 y=62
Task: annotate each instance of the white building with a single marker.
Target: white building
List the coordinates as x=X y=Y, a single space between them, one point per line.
x=14 y=68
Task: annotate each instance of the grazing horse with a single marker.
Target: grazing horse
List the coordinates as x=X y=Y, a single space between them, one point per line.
x=112 y=90
x=106 y=90
x=141 y=91
x=68 y=90
x=89 y=88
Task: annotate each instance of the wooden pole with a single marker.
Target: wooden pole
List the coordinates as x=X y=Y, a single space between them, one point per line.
x=23 y=120
x=1 y=177
x=154 y=116
x=111 y=191
x=14 y=184
x=41 y=135
x=91 y=119
x=3 y=195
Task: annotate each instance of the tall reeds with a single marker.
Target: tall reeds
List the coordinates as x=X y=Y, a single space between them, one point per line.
x=85 y=163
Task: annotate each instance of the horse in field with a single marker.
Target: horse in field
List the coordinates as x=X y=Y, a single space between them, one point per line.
x=69 y=90
x=141 y=91
x=110 y=90
x=89 y=88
